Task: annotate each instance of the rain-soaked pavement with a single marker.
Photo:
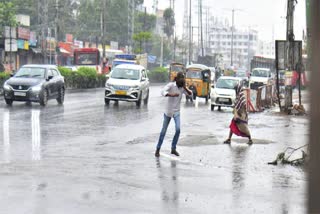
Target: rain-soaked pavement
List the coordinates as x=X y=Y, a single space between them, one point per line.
x=84 y=157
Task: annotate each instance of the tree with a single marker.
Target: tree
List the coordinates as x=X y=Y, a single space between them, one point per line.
x=156 y=48
x=169 y=22
x=141 y=38
x=144 y=22
x=88 y=20
x=7 y=14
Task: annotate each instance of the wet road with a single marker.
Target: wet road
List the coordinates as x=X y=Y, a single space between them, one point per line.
x=84 y=157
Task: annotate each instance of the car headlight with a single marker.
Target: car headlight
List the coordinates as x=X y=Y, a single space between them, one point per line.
x=36 y=87
x=7 y=86
x=108 y=85
x=213 y=93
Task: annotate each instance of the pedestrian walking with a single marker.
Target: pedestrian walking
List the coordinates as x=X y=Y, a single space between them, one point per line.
x=173 y=91
x=239 y=122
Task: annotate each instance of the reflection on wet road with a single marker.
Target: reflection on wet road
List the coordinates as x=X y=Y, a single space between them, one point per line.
x=85 y=157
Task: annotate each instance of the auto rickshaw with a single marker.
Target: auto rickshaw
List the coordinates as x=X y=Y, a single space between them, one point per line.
x=198 y=79
x=174 y=69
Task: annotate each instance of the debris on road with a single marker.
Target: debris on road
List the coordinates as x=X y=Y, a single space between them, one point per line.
x=298 y=110
x=284 y=157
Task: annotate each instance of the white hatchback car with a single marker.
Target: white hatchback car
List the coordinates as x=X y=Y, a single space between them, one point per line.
x=127 y=82
x=224 y=93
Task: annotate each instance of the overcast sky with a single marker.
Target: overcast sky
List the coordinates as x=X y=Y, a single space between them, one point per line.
x=263 y=15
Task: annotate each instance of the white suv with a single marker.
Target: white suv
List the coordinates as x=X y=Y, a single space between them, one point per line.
x=129 y=83
x=260 y=77
x=224 y=92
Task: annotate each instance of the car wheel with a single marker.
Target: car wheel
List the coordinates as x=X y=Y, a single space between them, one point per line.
x=106 y=101
x=44 y=98
x=145 y=101
x=9 y=101
x=219 y=108
x=60 y=98
x=212 y=107
x=138 y=103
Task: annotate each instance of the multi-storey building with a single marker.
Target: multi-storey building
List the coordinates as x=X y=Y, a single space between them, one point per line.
x=266 y=49
x=245 y=45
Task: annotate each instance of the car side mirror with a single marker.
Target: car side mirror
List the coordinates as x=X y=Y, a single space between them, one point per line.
x=50 y=77
x=12 y=74
x=143 y=79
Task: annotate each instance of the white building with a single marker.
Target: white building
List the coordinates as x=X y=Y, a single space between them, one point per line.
x=245 y=45
x=266 y=49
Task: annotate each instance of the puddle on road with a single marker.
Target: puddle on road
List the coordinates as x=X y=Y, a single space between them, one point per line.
x=198 y=140
x=255 y=141
x=148 y=139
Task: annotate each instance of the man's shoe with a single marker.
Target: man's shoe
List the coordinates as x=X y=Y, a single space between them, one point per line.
x=157 y=153
x=174 y=152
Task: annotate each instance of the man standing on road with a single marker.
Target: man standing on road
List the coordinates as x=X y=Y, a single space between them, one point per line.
x=173 y=91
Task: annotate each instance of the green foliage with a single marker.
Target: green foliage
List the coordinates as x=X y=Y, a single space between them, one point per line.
x=89 y=72
x=7 y=14
x=141 y=38
x=159 y=74
x=83 y=78
x=156 y=48
x=3 y=77
x=144 y=22
x=169 y=21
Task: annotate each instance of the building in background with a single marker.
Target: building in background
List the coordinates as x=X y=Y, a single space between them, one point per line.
x=245 y=45
x=266 y=48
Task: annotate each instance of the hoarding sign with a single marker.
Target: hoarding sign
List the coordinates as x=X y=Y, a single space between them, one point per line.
x=33 y=39
x=7 y=32
x=14 y=46
x=23 y=20
x=23 y=33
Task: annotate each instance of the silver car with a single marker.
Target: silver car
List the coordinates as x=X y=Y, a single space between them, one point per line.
x=127 y=82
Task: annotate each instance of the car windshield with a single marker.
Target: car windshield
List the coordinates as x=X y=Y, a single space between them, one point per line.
x=194 y=74
x=125 y=73
x=227 y=83
x=177 y=68
x=31 y=72
x=260 y=73
x=241 y=74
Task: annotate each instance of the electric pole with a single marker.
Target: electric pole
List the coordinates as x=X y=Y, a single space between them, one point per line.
x=201 y=29
x=232 y=29
x=290 y=57
x=232 y=32
x=103 y=28
x=190 y=26
x=174 y=33
x=56 y=27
